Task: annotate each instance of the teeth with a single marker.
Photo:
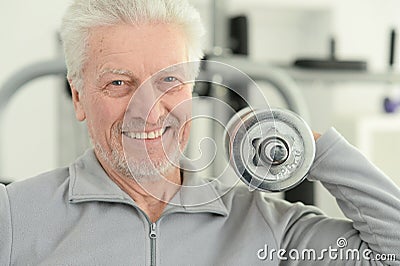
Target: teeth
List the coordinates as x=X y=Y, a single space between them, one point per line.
x=151 y=135
x=144 y=135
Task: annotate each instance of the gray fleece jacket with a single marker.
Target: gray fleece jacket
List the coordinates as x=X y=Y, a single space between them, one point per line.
x=78 y=216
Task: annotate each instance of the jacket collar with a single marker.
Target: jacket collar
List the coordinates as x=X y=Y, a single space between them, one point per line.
x=89 y=182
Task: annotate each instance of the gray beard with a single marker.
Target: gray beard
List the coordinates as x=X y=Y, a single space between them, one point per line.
x=140 y=171
x=145 y=170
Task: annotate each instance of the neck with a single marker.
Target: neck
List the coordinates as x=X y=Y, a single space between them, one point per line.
x=150 y=196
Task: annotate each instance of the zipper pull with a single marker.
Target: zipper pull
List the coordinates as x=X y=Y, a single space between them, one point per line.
x=153 y=233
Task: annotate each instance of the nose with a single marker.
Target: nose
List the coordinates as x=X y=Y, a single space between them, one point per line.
x=145 y=104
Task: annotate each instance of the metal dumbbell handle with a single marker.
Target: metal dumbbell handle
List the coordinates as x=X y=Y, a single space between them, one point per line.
x=273 y=151
x=270 y=150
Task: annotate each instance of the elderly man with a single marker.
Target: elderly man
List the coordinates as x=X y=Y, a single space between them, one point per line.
x=128 y=201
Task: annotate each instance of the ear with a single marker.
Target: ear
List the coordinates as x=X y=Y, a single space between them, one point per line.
x=76 y=99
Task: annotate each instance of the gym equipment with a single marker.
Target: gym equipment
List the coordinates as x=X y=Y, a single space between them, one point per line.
x=270 y=150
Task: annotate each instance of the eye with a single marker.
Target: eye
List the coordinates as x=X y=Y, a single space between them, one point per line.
x=169 y=84
x=170 y=79
x=117 y=88
x=117 y=83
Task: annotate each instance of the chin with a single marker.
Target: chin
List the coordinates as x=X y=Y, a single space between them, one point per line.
x=153 y=167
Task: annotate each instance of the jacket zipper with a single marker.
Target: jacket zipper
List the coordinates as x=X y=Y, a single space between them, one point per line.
x=153 y=237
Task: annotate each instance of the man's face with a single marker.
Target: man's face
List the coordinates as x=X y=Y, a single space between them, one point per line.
x=148 y=123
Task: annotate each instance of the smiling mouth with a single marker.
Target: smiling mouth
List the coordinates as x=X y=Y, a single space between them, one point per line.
x=145 y=135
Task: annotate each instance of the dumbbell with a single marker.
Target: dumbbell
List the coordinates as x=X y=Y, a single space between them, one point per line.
x=269 y=149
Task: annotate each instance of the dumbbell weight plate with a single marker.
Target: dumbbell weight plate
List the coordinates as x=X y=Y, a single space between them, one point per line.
x=249 y=130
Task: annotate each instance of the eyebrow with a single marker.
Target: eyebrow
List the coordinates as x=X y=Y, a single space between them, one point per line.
x=173 y=69
x=123 y=72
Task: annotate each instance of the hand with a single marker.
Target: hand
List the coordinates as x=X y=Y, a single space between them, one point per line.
x=316 y=135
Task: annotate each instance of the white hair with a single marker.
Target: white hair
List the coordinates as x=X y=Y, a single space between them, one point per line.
x=83 y=15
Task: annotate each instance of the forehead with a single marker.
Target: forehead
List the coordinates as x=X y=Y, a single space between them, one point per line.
x=141 y=49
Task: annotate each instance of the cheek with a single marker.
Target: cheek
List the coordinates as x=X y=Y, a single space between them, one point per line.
x=182 y=110
x=103 y=114
x=180 y=106
x=184 y=134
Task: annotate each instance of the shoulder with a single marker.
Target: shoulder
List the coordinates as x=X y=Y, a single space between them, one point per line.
x=40 y=188
x=271 y=208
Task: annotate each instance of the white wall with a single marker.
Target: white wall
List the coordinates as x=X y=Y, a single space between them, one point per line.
x=28 y=134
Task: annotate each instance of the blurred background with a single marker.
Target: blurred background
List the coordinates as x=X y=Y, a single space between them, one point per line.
x=342 y=56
